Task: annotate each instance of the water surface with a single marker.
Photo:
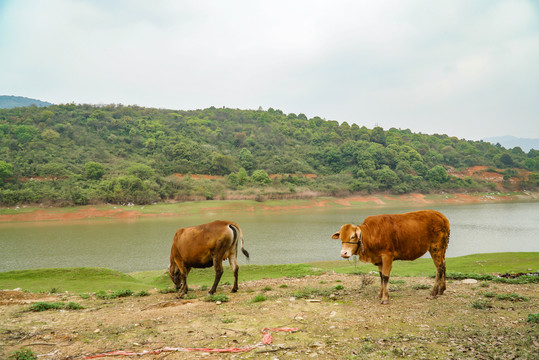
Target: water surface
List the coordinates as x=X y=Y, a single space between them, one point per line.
x=271 y=237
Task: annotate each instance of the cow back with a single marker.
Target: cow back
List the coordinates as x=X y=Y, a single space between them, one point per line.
x=406 y=236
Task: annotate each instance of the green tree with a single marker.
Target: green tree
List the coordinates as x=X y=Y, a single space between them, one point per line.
x=246 y=159
x=6 y=171
x=506 y=159
x=386 y=177
x=94 y=170
x=243 y=178
x=378 y=135
x=50 y=135
x=437 y=175
x=260 y=177
x=141 y=171
x=222 y=164
x=25 y=133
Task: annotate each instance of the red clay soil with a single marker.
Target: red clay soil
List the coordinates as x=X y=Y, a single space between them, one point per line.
x=496 y=176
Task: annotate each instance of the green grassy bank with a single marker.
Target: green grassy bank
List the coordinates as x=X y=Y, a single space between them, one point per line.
x=81 y=280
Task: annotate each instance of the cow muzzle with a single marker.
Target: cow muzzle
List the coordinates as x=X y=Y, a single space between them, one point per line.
x=346 y=253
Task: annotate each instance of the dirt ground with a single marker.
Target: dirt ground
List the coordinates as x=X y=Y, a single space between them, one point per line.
x=337 y=317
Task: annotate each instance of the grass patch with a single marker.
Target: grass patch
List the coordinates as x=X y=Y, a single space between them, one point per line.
x=168 y=290
x=512 y=297
x=533 y=318
x=216 y=297
x=259 y=298
x=23 y=354
x=113 y=295
x=309 y=293
x=481 y=304
x=90 y=280
x=421 y=286
x=57 y=305
x=77 y=280
x=525 y=279
x=477 y=263
x=142 y=293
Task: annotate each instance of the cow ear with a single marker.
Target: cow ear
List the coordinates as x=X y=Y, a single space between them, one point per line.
x=336 y=236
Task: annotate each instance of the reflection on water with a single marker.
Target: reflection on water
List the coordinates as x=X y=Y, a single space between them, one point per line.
x=270 y=237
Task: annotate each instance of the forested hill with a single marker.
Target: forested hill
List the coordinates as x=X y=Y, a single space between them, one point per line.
x=9 y=101
x=79 y=154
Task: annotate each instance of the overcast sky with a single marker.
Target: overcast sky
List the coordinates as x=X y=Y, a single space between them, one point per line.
x=464 y=68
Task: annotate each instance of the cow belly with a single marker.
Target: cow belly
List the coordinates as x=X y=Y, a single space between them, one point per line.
x=200 y=265
x=411 y=253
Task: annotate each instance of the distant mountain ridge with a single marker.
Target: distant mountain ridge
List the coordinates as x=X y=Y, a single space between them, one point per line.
x=10 y=101
x=510 y=142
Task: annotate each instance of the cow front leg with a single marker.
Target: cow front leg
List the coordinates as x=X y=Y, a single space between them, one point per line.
x=387 y=262
x=183 y=279
x=381 y=282
x=218 y=266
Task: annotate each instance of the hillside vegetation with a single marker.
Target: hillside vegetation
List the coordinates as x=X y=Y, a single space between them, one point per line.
x=81 y=154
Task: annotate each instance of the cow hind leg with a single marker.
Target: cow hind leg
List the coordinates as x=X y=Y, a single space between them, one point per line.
x=218 y=266
x=235 y=268
x=437 y=252
x=381 y=281
x=387 y=262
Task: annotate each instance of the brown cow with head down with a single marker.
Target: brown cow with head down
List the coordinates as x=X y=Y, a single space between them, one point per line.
x=203 y=246
x=384 y=238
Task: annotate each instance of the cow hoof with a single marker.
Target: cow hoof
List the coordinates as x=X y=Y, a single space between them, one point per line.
x=234 y=290
x=384 y=302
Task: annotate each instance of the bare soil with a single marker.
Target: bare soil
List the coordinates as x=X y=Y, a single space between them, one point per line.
x=337 y=316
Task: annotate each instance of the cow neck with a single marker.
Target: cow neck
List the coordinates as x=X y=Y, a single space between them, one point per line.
x=361 y=247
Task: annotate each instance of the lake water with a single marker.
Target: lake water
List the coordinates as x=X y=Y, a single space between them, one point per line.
x=271 y=237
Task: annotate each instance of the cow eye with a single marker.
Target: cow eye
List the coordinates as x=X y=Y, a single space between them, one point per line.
x=353 y=237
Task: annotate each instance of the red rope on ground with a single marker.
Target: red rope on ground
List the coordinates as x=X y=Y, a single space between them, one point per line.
x=266 y=340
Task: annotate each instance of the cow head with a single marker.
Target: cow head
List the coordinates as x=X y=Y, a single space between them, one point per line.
x=350 y=236
x=174 y=274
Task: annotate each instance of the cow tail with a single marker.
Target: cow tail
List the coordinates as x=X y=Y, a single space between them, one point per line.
x=238 y=234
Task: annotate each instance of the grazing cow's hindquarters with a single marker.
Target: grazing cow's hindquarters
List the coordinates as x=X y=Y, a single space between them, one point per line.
x=203 y=246
x=384 y=238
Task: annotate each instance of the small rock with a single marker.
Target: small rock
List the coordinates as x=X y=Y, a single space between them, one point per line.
x=17 y=289
x=218 y=303
x=332 y=314
x=469 y=281
x=96 y=331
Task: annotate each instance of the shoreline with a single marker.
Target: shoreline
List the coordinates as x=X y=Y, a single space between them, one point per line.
x=36 y=214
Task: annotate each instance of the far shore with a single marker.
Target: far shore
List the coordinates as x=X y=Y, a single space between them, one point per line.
x=42 y=213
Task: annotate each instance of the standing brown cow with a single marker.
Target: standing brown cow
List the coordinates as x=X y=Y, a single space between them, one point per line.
x=384 y=238
x=203 y=246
